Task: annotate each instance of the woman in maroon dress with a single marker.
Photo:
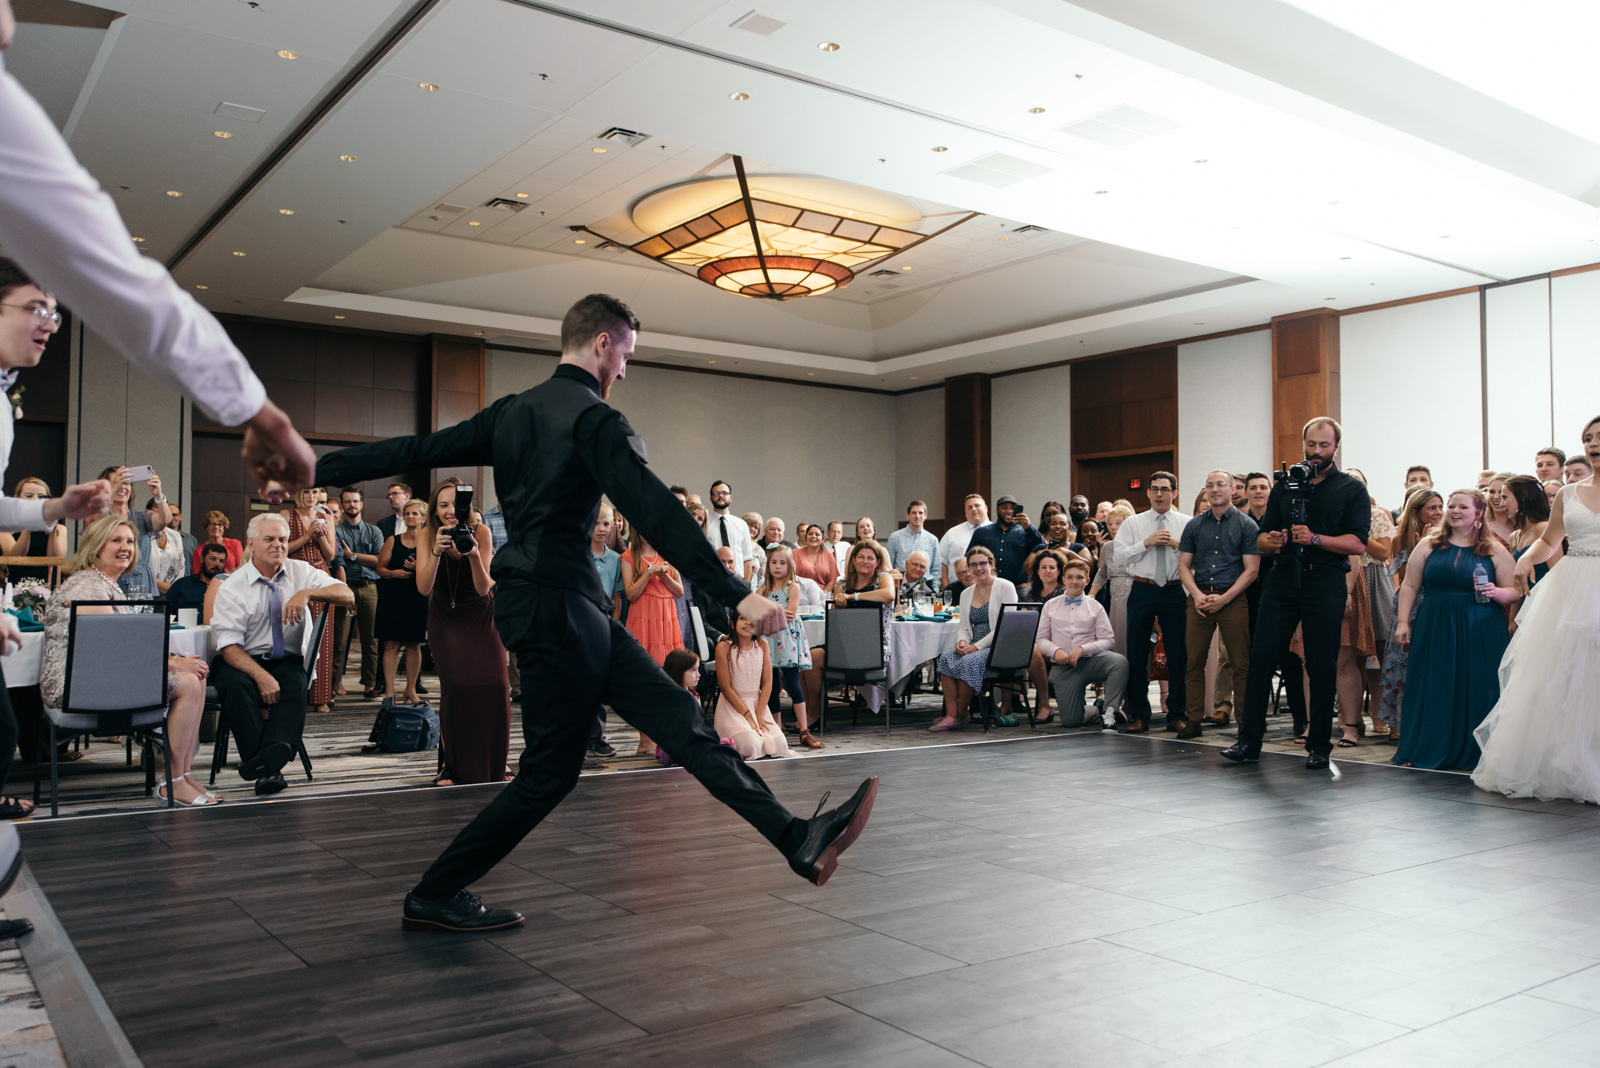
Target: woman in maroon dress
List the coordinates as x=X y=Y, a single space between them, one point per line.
x=311 y=540
x=474 y=692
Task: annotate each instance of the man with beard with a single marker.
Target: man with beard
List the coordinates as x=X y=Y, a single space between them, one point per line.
x=1078 y=513
x=1338 y=519
x=555 y=449
x=190 y=591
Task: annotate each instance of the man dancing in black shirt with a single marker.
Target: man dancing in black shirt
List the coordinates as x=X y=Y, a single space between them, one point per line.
x=555 y=449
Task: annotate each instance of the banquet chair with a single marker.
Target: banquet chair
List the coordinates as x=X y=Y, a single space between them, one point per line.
x=708 y=669
x=219 y=753
x=1010 y=655
x=853 y=644
x=116 y=682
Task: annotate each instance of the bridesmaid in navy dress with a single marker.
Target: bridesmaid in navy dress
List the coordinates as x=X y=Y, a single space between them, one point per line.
x=1528 y=513
x=1452 y=676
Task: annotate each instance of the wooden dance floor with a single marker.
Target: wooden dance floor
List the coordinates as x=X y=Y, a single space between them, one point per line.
x=1087 y=899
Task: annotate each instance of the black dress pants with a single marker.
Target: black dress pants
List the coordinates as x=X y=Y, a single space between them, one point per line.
x=8 y=732
x=1146 y=604
x=241 y=703
x=1294 y=672
x=1317 y=607
x=573 y=657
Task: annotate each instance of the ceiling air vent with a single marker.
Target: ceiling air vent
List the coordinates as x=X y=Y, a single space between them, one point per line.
x=502 y=204
x=1122 y=125
x=1030 y=229
x=757 y=23
x=450 y=209
x=885 y=273
x=997 y=169
x=617 y=133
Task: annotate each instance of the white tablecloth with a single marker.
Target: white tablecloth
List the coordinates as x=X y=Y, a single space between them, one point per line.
x=22 y=665
x=910 y=643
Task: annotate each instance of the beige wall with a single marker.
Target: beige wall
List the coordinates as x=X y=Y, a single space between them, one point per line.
x=1031 y=439
x=918 y=454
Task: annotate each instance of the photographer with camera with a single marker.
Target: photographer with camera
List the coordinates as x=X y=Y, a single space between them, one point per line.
x=1317 y=517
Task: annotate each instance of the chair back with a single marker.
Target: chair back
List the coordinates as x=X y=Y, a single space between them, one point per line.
x=701 y=645
x=313 y=644
x=118 y=662
x=853 y=637
x=1014 y=634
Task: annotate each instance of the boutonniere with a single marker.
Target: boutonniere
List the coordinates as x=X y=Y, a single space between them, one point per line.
x=16 y=402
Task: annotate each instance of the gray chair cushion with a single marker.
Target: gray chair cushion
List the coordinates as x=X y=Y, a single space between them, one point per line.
x=87 y=721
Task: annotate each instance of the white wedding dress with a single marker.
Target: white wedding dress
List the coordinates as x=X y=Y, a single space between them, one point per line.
x=1542 y=739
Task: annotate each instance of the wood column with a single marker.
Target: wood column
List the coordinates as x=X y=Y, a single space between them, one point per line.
x=458 y=384
x=1305 y=376
x=966 y=442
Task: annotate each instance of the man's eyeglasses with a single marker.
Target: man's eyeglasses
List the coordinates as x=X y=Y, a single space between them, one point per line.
x=43 y=314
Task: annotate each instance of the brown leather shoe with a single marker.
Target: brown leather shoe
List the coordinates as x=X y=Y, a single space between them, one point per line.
x=1138 y=726
x=1217 y=721
x=1188 y=728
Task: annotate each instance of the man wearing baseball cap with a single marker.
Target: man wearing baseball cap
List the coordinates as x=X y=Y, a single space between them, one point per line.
x=1010 y=537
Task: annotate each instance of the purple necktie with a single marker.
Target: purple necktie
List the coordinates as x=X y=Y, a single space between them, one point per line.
x=275 y=612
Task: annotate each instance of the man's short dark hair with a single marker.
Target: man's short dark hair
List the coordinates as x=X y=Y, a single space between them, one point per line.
x=1168 y=475
x=1252 y=476
x=720 y=482
x=402 y=486
x=971 y=496
x=12 y=276
x=1414 y=468
x=213 y=547
x=351 y=489
x=592 y=316
x=1561 y=457
x=915 y=504
x=1584 y=460
x=678 y=491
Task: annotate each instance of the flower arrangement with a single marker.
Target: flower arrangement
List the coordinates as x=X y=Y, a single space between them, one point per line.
x=30 y=595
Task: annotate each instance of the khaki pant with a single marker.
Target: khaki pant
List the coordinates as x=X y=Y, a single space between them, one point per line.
x=1233 y=619
x=364 y=613
x=1220 y=676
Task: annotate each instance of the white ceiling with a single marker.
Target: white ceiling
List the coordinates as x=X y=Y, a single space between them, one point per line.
x=1313 y=153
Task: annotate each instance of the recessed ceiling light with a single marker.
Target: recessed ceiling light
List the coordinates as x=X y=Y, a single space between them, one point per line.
x=284 y=53
x=1444 y=237
x=202 y=287
x=579 y=241
x=477 y=333
x=338 y=317
x=429 y=86
x=1344 y=257
x=711 y=361
x=1333 y=202
x=1036 y=111
x=1005 y=239
x=738 y=96
x=914 y=377
x=1202 y=161
x=940 y=148
x=285 y=211
x=1330 y=298
x=474 y=222
x=599 y=150
x=828 y=46
x=224 y=134
x=173 y=193
x=1199 y=324
x=238 y=253
x=138 y=241
x=905 y=268
x=348 y=159
x=1101 y=192
x=522 y=196
x=811 y=374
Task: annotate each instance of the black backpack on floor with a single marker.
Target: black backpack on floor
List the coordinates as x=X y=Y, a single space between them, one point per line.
x=405 y=728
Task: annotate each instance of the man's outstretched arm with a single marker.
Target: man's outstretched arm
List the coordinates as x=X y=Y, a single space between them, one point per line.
x=468 y=443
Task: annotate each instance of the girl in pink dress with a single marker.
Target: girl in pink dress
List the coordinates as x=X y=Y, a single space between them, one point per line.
x=744 y=676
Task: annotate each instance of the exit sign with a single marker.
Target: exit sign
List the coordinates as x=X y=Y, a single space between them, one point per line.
x=1135 y=483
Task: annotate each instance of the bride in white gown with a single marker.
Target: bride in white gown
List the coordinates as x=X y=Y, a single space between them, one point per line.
x=1543 y=737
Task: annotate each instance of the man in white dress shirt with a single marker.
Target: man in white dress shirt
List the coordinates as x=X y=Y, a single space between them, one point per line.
x=65 y=231
x=1075 y=639
x=261 y=625
x=953 y=546
x=1147 y=545
x=836 y=544
x=724 y=527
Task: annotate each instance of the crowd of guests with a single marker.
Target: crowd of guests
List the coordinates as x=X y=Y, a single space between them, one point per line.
x=1129 y=597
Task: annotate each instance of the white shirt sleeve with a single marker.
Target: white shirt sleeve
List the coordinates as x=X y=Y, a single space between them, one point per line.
x=229 y=616
x=19 y=514
x=64 y=230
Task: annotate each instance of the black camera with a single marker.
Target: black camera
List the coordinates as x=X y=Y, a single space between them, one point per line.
x=462 y=531
x=1296 y=480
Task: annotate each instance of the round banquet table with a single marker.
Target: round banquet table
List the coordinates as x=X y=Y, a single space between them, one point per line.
x=912 y=642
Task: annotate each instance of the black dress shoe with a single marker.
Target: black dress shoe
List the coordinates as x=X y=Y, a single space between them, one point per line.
x=602 y=748
x=1239 y=752
x=1188 y=728
x=268 y=760
x=1316 y=762
x=464 y=912
x=270 y=784
x=14 y=928
x=830 y=833
x=421 y=688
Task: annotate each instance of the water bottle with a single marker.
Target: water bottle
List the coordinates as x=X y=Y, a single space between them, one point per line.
x=1479 y=577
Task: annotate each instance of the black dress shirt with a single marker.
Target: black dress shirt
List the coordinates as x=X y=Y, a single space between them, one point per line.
x=1339 y=504
x=555 y=449
x=1010 y=546
x=188 y=592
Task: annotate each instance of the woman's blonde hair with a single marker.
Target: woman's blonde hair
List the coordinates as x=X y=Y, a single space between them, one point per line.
x=417 y=502
x=1483 y=542
x=95 y=536
x=1123 y=509
x=767 y=589
x=850 y=565
x=215 y=516
x=30 y=481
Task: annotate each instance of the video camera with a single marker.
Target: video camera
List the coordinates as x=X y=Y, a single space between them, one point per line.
x=462 y=531
x=1296 y=480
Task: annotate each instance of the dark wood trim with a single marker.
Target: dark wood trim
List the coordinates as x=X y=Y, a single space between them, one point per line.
x=332 y=328
x=55 y=420
x=1392 y=303
x=1125 y=452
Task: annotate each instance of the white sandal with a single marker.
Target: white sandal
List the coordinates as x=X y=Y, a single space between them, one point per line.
x=195 y=783
x=202 y=801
